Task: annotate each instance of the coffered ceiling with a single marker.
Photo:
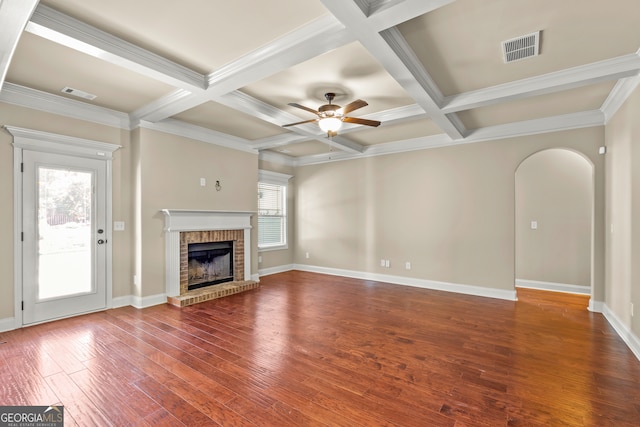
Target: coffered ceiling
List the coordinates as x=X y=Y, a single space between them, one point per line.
x=432 y=71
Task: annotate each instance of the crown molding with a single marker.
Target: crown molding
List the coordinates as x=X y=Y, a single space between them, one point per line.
x=618 y=95
x=333 y=156
x=14 y=15
x=55 y=104
x=179 y=128
x=278 y=158
x=610 y=69
x=537 y=126
x=277 y=141
x=67 y=31
x=492 y=133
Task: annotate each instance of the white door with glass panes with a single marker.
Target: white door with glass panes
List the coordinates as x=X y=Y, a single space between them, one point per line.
x=64 y=237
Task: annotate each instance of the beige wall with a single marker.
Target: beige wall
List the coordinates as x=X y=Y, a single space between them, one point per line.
x=448 y=211
x=282 y=257
x=554 y=188
x=151 y=171
x=26 y=118
x=170 y=171
x=623 y=213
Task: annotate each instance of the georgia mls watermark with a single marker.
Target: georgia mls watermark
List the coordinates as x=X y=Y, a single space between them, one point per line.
x=32 y=416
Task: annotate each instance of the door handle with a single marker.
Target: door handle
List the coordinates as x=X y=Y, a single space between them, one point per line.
x=100 y=241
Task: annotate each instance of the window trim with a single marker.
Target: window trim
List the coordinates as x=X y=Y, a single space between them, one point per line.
x=276 y=178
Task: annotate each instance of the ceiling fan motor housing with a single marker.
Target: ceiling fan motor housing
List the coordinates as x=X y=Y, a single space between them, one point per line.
x=328 y=110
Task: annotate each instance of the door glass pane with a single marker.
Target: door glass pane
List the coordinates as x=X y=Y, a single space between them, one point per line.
x=64 y=228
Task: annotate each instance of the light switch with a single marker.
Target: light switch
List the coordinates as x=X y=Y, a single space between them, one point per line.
x=534 y=225
x=203 y=182
x=118 y=225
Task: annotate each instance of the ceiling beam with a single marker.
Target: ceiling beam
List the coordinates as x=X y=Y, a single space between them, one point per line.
x=315 y=38
x=618 y=95
x=386 y=14
x=70 y=32
x=395 y=55
x=14 y=15
x=609 y=69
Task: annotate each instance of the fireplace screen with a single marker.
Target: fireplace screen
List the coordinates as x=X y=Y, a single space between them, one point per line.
x=210 y=264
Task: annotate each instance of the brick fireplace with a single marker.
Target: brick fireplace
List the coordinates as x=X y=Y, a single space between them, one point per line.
x=184 y=227
x=211 y=236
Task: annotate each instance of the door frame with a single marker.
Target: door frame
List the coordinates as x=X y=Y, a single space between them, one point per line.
x=28 y=139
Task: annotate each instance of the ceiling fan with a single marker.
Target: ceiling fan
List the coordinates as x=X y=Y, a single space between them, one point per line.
x=331 y=116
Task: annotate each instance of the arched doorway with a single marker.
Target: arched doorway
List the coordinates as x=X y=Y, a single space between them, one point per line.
x=554 y=222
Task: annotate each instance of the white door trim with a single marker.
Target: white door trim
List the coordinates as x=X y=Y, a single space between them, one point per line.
x=59 y=144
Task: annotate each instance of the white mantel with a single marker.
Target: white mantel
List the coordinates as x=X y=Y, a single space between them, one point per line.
x=180 y=220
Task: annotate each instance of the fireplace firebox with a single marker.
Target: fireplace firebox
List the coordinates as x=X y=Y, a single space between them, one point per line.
x=210 y=263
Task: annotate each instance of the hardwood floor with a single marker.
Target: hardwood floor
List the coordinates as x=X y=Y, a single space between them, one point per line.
x=308 y=349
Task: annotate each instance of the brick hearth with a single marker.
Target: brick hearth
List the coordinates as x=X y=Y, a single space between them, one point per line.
x=212 y=292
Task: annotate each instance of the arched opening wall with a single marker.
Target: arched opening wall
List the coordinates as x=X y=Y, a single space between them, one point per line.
x=554 y=221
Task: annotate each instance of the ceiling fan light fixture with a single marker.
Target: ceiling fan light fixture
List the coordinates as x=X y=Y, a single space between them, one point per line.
x=330 y=124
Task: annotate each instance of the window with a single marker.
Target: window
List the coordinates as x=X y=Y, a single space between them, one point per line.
x=272 y=210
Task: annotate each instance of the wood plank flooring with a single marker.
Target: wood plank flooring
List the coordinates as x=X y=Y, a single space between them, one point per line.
x=316 y=350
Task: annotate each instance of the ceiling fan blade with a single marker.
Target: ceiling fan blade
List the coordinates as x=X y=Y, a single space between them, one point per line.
x=299 y=123
x=357 y=121
x=352 y=106
x=302 y=107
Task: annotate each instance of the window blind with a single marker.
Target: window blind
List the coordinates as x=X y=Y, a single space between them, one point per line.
x=271 y=214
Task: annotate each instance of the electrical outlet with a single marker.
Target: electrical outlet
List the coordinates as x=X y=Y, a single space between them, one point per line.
x=203 y=182
x=382 y=263
x=306 y=255
x=259 y=259
x=407 y=265
x=631 y=309
x=387 y=263
x=118 y=225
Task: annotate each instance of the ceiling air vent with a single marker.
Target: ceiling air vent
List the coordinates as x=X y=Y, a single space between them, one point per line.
x=521 y=47
x=80 y=94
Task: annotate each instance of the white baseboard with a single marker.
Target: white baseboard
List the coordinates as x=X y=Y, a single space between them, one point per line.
x=632 y=341
x=7 y=324
x=596 y=306
x=144 y=302
x=552 y=286
x=139 y=302
x=409 y=281
x=275 y=270
x=118 y=302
